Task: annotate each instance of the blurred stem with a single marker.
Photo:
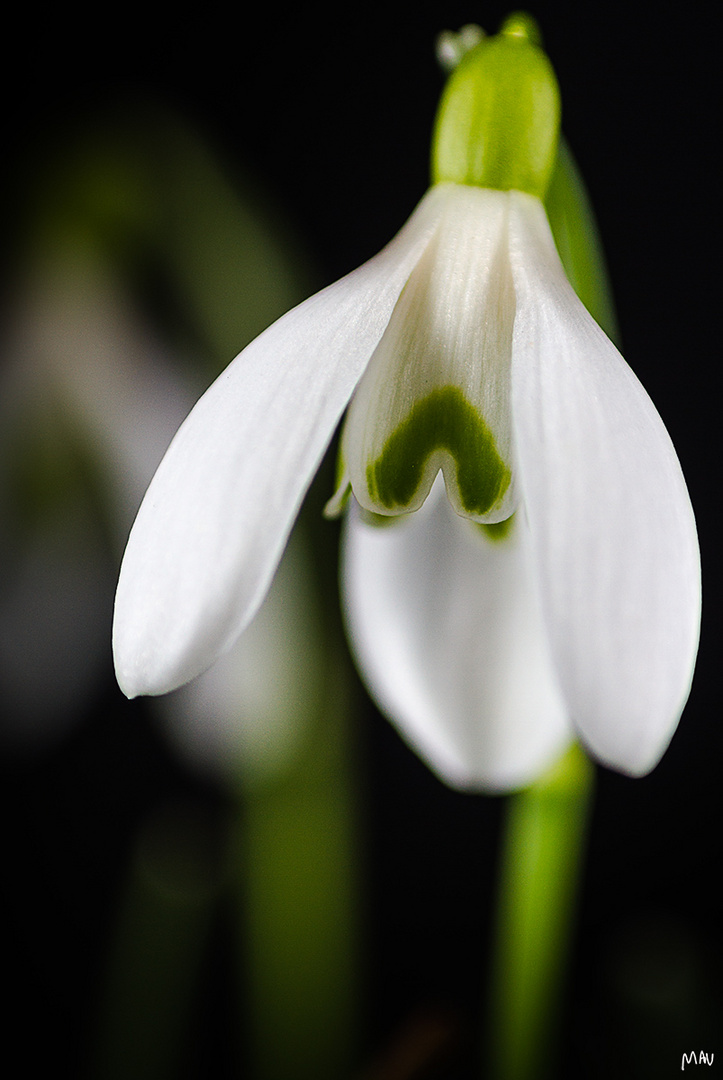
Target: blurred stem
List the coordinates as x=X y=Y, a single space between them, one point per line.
x=158 y=945
x=296 y=865
x=542 y=854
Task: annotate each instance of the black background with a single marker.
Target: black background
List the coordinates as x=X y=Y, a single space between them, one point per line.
x=332 y=111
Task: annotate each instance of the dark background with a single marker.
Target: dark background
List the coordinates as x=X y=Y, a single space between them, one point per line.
x=331 y=109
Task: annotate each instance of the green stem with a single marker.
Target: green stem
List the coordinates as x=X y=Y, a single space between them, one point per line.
x=170 y=897
x=297 y=910
x=542 y=854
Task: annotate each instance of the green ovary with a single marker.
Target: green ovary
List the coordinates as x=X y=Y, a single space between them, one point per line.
x=444 y=420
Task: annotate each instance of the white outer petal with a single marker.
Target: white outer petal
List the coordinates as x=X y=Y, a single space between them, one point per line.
x=447 y=630
x=254 y=708
x=611 y=522
x=217 y=514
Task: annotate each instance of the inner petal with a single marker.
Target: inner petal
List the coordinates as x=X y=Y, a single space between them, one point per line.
x=445 y=623
x=436 y=393
x=442 y=430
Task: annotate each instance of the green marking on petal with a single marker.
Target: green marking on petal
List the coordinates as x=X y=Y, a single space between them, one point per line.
x=499 y=530
x=444 y=420
x=377 y=521
x=342 y=487
x=337 y=504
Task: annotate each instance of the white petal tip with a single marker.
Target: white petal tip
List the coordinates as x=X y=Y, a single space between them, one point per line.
x=496 y=777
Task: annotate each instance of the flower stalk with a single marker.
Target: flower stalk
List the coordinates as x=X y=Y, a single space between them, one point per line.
x=146 y=1003
x=294 y=866
x=540 y=869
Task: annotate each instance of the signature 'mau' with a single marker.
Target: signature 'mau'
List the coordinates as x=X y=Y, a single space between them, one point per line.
x=700 y=1059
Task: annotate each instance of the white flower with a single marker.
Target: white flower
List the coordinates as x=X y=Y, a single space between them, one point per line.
x=467 y=351
x=86 y=388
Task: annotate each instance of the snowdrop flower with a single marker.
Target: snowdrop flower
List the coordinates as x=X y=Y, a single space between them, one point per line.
x=89 y=401
x=553 y=591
